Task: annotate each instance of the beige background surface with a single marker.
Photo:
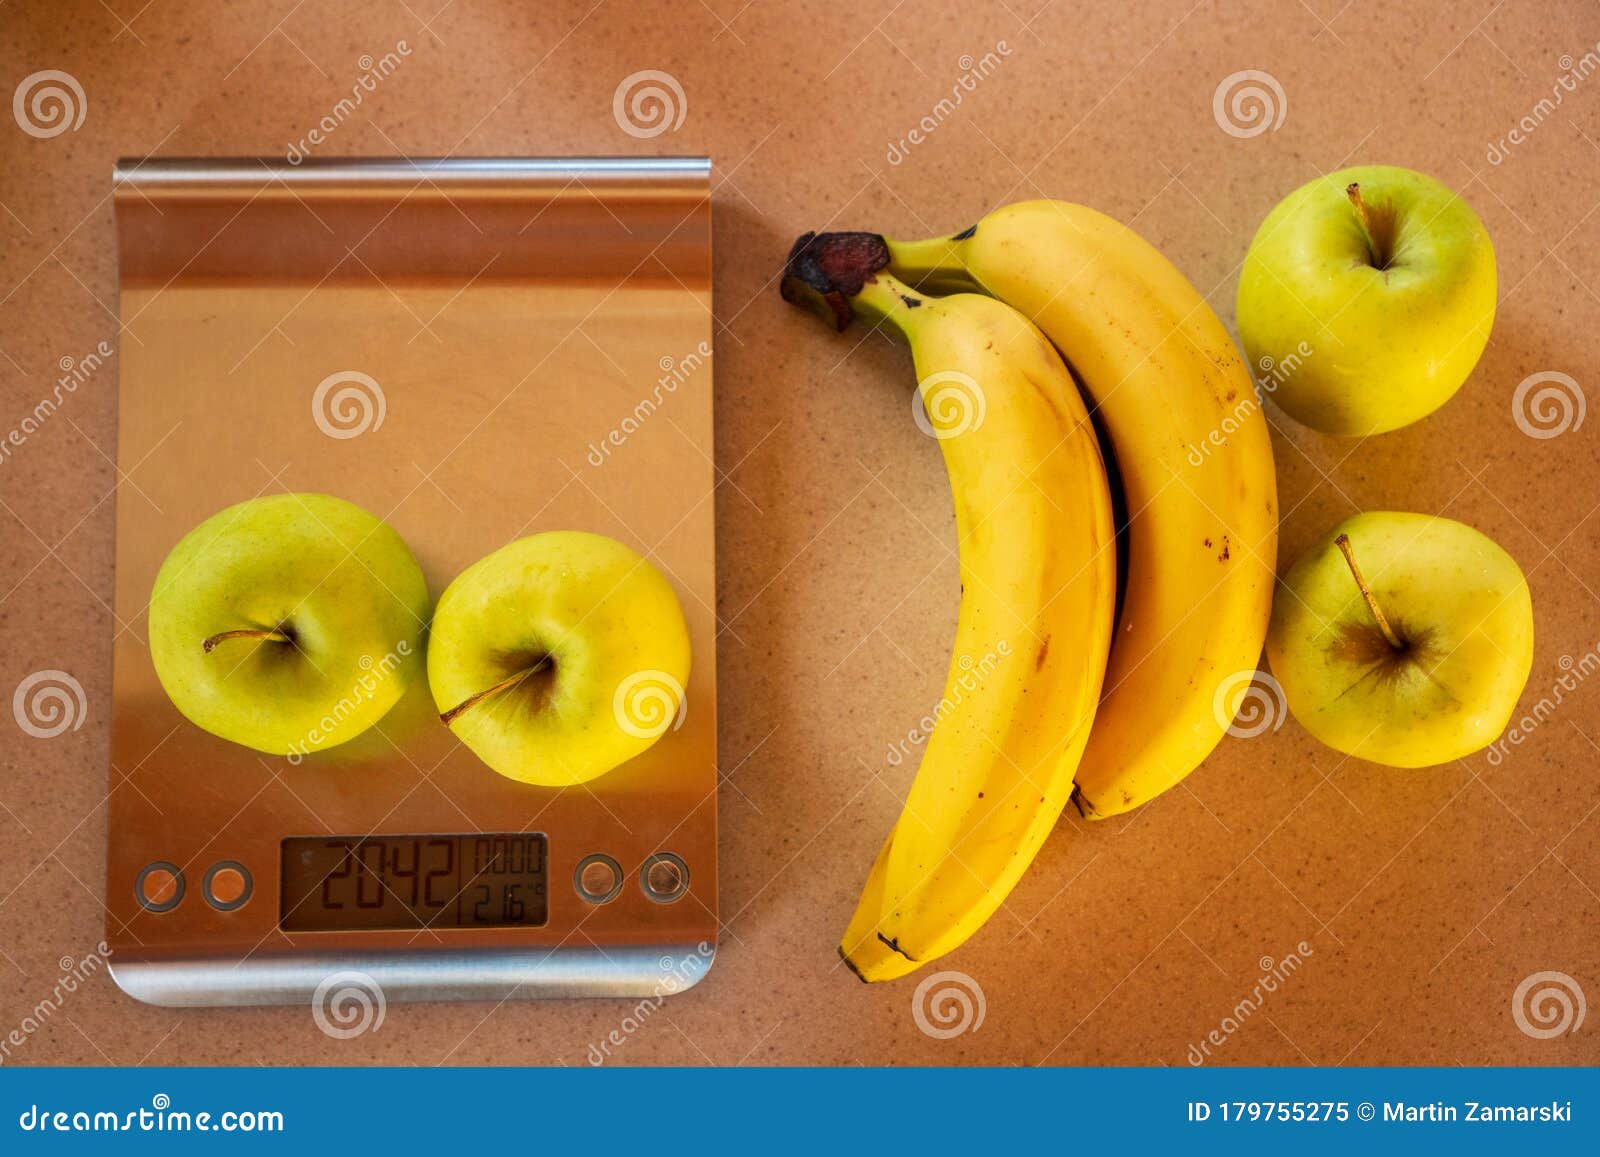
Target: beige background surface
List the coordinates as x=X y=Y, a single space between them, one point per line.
x=1424 y=898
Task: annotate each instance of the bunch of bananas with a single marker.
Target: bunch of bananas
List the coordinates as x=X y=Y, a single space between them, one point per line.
x=1116 y=633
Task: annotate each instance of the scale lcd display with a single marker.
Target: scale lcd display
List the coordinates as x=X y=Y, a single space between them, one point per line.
x=365 y=883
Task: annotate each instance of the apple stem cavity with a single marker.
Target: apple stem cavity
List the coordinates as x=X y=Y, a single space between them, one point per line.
x=1343 y=543
x=510 y=681
x=1377 y=227
x=266 y=636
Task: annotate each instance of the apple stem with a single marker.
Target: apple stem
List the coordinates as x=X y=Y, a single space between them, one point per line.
x=1375 y=226
x=504 y=685
x=245 y=633
x=1343 y=543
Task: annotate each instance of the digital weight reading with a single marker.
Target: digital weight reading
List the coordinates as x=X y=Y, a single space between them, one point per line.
x=369 y=883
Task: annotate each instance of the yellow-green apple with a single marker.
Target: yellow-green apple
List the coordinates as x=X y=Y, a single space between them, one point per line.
x=1388 y=278
x=1403 y=639
x=289 y=623
x=558 y=657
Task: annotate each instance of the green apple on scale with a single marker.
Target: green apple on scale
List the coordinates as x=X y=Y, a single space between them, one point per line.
x=1389 y=277
x=1403 y=639
x=559 y=657
x=289 y=623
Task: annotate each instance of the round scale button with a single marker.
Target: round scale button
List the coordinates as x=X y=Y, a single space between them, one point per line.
x=664 y=877
x=227 y=885
x=159 y=887
x=598 y=879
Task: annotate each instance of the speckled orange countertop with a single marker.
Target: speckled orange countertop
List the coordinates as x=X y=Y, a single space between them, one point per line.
x=1414 y=904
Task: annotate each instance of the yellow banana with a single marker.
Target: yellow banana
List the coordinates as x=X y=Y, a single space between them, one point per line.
x=1191 y=446
x=1038 y=574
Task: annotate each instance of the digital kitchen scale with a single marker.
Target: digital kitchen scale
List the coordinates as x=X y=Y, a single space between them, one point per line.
x=474 y=350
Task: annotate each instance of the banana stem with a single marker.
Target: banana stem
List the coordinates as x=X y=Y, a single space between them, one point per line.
x=1395 y=641
x=935 y=264
x=888 y=299
x=245 y=633
x=841 y=274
